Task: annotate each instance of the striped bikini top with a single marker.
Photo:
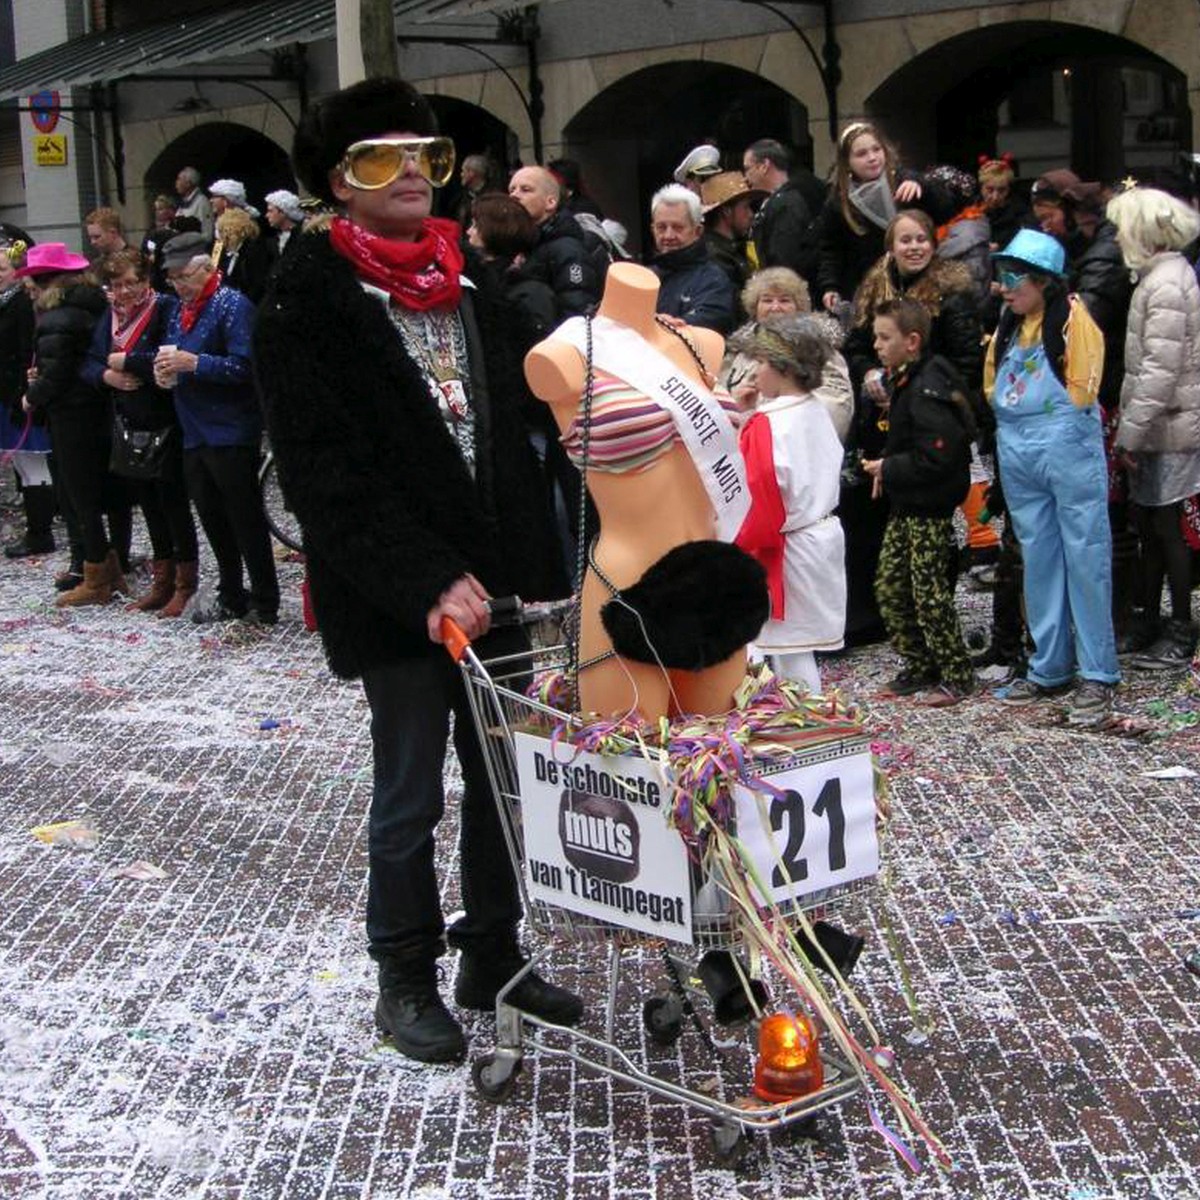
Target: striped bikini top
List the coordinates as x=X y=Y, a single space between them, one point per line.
x=630 y=433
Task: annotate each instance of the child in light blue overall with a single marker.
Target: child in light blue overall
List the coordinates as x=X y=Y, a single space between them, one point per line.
x=1042 y=375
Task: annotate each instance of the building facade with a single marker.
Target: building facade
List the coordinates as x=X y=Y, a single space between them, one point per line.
x=625 y=87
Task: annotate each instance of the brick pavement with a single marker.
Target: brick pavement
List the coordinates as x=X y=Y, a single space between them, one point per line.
x=209 y=1035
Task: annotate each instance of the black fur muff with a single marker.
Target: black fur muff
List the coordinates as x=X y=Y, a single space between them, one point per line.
x=698 y=604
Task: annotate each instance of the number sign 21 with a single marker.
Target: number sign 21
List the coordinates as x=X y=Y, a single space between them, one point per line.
x=817 y=831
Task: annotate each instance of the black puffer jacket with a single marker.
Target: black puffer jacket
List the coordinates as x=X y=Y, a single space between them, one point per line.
x=1099 y=277
x=694 y=289
x=391 y=515
x=16 y=349
x=66 y=318
x=562 y=260
x=927 y=459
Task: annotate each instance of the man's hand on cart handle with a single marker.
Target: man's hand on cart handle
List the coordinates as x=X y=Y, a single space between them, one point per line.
x=465 y=603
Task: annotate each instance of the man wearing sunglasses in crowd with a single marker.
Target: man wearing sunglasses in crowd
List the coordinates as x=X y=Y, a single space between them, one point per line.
x=391 y=394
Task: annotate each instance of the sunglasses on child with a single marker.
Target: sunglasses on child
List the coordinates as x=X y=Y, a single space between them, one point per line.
x=1011 y=280
x=374 y=163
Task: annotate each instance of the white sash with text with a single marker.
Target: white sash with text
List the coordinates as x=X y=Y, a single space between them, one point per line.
x=703 y=425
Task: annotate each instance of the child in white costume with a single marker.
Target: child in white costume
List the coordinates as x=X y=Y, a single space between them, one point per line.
x=793 y=464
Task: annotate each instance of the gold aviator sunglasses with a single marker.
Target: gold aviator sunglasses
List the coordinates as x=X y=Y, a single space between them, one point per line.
x=374 y=163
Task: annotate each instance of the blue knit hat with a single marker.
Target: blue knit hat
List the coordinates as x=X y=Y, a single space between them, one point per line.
x=1032 y=248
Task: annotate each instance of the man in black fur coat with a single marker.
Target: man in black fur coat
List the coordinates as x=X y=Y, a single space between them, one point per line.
x=391 y=398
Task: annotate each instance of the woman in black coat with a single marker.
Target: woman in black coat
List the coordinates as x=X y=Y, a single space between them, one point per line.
x=247 y=258
x=869 y=184
x=16 y=428
x=68 y=304
x=120 y=364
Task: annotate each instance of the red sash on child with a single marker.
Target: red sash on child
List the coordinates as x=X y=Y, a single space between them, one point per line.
x=761 y=533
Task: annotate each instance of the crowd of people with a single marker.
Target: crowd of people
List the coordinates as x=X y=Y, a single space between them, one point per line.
x=129 y=386
x=903 y=345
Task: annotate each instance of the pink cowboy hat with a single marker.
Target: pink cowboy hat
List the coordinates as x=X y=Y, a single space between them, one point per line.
x=49 y=258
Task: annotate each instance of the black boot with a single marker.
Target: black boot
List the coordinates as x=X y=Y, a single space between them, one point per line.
x=1139 y=632
x=1173 y=650
x=39 y=520
x=411 y=1011
x=29 y=544
x=482 y=973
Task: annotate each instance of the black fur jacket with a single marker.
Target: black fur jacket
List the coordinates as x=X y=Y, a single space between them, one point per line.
x=390 y=513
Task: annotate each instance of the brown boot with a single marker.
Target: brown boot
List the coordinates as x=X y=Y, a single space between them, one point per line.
x=96 y=587
x=186 y=576
x=116 y=577
x=162 y=587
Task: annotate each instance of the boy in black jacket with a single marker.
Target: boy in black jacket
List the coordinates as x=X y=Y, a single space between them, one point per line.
x=925 y=471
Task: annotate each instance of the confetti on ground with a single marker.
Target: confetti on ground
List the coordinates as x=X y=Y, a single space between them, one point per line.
x=210 y=1035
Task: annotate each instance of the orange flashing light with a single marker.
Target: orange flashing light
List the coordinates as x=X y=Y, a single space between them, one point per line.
x=789 y=1059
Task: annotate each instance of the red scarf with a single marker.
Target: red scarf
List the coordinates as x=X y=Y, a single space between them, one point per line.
x=128 y=328
x=761 y=534
x=190 y=313
x=420 y=275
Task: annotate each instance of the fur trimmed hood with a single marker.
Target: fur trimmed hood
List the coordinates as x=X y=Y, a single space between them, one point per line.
x=930 y=288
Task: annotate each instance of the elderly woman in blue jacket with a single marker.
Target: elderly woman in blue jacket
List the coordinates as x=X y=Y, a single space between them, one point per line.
x=206 y=360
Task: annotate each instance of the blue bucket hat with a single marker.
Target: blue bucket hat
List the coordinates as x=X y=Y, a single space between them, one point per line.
x=1034 y=249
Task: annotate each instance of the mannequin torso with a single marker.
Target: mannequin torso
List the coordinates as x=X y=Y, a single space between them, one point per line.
x=643 y=514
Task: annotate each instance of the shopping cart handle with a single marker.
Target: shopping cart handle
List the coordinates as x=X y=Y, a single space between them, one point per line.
x=454 y=639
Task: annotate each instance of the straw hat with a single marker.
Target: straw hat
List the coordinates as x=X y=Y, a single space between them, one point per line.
x=724 y=188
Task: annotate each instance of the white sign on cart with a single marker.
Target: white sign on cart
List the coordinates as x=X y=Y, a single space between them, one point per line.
x=818 y=830
x=596 y=839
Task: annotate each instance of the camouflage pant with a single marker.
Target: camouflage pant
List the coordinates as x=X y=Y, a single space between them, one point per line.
x=916 y=596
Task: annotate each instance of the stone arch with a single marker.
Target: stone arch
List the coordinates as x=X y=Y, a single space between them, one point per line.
x=1051 y=92
x=222 y=150
x=628 y=145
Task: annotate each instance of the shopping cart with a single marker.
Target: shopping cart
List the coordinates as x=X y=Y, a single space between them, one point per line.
x=506 y=716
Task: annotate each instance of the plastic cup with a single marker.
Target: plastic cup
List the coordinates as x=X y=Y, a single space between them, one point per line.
x=165 y=379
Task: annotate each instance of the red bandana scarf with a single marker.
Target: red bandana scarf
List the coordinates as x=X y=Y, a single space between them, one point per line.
x=189 y=313
x=421 y=275
x=128 y=328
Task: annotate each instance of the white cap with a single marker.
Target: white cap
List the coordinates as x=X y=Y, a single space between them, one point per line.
x=702 y=161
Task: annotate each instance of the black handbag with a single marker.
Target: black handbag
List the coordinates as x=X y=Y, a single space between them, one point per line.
x=147 y=454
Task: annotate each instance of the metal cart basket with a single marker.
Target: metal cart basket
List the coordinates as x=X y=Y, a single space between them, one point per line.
x=503 y=713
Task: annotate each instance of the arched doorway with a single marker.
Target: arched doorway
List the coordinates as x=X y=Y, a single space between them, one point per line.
x=223 y=150
x=1052 y=94
x=475 y=131
x=630 y=137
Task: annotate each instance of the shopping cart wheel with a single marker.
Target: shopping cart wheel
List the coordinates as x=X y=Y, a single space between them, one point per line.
x=729 y=1141
x=495 y=1077
x=663 y=1018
